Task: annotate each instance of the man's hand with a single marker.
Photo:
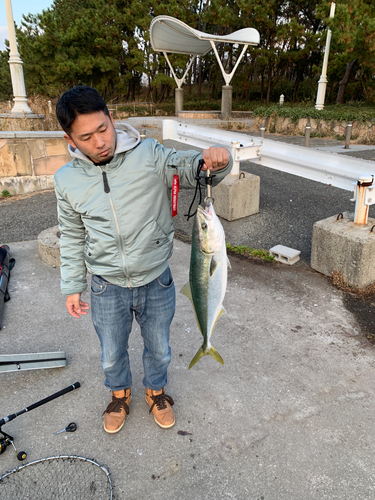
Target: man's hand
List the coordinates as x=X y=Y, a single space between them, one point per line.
x=215 y=158
x=75 y=305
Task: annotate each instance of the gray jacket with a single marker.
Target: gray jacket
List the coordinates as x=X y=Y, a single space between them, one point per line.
x=126 y=235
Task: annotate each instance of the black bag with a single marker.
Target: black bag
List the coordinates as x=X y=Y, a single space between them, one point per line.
x=6 y=265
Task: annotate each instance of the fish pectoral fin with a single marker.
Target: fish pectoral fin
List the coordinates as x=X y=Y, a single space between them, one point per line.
x=228 y=263
x=212 y=352
x=186 y=290
x=213 y=266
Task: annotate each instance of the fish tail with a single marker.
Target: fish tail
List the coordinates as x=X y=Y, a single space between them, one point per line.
x=212 y=352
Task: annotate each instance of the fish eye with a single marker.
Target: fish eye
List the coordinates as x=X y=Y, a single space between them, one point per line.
x=204 y=226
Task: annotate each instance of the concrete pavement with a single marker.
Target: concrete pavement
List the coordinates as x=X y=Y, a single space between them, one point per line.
x=289 y=416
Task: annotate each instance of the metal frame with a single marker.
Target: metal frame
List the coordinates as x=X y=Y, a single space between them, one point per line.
x=228 y=76
x=35 y=361
x=329 y=168
x=179 y=81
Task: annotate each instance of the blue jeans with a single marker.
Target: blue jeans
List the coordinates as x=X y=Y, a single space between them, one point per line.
x=153 y=306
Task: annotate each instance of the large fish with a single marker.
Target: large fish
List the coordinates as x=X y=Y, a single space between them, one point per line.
x=208 y=276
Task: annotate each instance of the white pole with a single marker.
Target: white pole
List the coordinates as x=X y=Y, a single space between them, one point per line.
x=322 y=85
x=15 y=64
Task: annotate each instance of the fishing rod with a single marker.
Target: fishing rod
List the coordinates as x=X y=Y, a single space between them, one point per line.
x=6 y=439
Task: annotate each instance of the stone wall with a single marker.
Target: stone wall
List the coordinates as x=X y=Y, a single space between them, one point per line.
x=28 y=158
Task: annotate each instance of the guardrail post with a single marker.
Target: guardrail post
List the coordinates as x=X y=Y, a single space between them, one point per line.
x=143 y=134
x=236 y=162
x=362 y=189
x=262 y=130
x=348 y=135
x=307 y=134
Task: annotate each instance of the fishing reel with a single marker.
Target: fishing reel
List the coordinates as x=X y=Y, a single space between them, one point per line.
x=5 y=441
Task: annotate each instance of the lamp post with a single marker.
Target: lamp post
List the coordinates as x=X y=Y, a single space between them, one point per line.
x=322 y=85
x=15 y=64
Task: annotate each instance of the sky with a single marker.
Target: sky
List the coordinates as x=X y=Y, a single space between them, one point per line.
x=19 y=7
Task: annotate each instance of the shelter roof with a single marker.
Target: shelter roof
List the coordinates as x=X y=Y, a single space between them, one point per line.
x=168 y=34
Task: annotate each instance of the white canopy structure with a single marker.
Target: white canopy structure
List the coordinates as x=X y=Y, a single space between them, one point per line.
x=168 y=34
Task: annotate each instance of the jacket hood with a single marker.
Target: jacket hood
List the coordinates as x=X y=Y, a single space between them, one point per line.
x=125 y=141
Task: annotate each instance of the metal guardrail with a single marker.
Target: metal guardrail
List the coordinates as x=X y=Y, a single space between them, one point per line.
x=329 y=168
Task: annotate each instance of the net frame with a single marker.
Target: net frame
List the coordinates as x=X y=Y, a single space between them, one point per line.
x=76 y=457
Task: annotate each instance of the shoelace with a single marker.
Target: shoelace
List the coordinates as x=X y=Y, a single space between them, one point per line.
x=159 y=401
x=116 y=405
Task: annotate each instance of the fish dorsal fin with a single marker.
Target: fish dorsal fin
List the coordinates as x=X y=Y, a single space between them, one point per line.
x=186 y=290
x=228 y=263
x=213 y=266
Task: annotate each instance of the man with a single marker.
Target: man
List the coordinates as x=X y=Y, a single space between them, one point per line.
x=115 y=221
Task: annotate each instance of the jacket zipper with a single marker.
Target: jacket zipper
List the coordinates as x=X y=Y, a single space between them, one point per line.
x=107 y=190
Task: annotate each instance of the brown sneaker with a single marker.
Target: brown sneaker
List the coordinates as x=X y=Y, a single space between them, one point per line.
x=117 y=410
x=161 y=407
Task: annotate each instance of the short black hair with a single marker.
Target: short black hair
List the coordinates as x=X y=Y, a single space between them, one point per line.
x=79 y=100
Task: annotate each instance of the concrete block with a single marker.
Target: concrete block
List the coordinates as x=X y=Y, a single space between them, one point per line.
x=26 y=183
x=37 y=134
x=56 y=147
x=49 y=165
x=285 y=255
x=237 y=196
x=49 y=246
x=15 y=159
x=340 y=245
x=36 y=148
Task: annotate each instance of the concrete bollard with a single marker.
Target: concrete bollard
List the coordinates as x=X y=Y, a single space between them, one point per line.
x=49 y=107
x=262 y=130
x=281 y=101
x=143 y=134
x=307 y=134
x=348 y=135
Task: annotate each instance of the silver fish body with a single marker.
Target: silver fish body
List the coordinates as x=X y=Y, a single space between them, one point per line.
x=208 y=276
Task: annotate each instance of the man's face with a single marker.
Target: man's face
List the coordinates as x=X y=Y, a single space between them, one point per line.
x=94 y=135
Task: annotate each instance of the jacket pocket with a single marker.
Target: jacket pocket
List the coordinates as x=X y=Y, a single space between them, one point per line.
x=88 y=250
x=151 y=248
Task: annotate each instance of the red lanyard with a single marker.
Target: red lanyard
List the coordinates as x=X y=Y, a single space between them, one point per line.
x=175 y=191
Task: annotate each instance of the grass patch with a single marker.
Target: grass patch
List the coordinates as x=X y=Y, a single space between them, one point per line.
x=5 y=193
x=250 y=252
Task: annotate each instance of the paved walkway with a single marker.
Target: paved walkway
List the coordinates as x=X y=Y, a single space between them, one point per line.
x=289 y=416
